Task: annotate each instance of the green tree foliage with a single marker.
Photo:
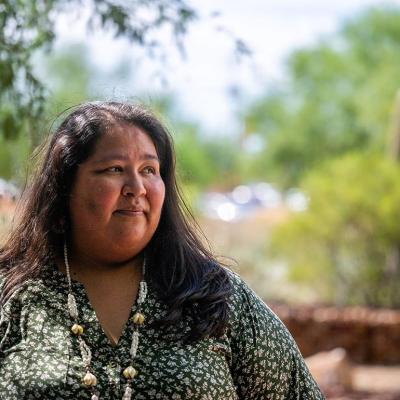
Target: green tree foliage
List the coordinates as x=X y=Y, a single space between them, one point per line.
x=203 y=161
x=13 y=156
x=207 y=162
x=337 y=98
x=70 y=75
x=194 y=164
x=327 y=130
x=28 y=25
x=343 y=244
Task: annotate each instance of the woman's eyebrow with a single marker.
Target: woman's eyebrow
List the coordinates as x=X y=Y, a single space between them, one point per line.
x=148 y=156
x=122 y=157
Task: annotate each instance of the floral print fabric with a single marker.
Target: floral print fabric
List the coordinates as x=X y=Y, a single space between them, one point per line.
x=40 y=358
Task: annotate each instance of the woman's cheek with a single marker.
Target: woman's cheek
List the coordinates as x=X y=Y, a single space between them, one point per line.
x=105 y=195
x=158 y=192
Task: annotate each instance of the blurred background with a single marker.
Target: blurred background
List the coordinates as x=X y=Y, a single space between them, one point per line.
x=286 y=121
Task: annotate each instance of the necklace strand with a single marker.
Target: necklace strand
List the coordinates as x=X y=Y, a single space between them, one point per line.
x=89 y=379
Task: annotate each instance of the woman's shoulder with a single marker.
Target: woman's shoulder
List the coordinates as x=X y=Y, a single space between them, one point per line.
x=250 y=312
x=264 y=350
x=24 y=293
x=241 y=293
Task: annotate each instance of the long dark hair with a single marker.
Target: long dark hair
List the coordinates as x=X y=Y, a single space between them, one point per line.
x=185 y=274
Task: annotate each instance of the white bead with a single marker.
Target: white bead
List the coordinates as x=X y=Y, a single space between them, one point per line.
x=128 y=393
x=94 y=397
x=142 y=292
x=85 y=352
x=72 y=308
x=135 y=344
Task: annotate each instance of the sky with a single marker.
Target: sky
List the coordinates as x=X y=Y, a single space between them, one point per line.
x=208 y=84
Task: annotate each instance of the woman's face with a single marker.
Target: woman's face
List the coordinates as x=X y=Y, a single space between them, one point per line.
x=117 y=197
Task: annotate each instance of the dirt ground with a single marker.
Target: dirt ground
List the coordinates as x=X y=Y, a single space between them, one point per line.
x=368 y=382
x=377 y=378
x=365 y=396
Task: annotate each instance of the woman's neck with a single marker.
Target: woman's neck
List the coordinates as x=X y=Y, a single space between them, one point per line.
x=84 y=269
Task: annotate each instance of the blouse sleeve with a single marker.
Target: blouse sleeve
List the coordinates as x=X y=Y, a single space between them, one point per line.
x=266 y=362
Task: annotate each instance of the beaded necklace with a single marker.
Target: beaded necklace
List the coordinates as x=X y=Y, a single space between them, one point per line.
x=89 y=379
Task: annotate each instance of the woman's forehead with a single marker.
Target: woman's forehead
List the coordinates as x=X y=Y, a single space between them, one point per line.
x=125 y=140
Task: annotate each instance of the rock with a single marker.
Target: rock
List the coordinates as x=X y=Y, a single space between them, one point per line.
x=331 y=368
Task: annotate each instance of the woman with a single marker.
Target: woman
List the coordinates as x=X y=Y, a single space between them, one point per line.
x=107 y=292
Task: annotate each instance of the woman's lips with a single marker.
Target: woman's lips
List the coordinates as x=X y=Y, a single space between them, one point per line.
x=130 y=213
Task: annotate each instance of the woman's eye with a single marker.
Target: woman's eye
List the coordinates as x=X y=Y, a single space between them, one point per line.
x=149 y=170
x=114 y=169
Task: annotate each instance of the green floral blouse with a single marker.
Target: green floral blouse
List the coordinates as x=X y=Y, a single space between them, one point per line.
x=40 y=359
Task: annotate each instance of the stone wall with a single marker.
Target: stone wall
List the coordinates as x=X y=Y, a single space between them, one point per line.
x=370 y=336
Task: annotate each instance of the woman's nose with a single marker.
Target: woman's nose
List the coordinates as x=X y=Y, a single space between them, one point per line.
x=133 y=187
